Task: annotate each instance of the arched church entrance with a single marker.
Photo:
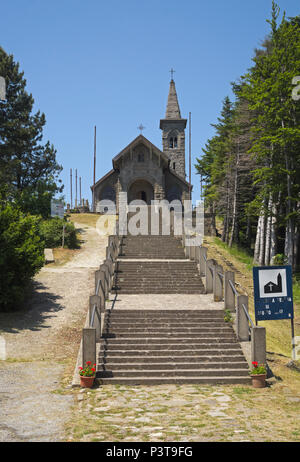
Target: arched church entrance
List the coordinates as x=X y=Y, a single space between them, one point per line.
x=141 y=190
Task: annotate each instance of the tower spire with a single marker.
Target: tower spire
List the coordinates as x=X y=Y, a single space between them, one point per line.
x=173 y=135
x=173 y=110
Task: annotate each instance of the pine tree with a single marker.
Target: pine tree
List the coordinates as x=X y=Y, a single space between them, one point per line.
x=28 y=168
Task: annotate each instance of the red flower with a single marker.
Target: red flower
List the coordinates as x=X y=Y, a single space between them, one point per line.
x=89 y=362
x=93 y=369
x=255 y=363
x=80 y=368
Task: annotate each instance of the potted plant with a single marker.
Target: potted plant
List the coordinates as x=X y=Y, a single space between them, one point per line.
x=258 y=375
x=87 y=375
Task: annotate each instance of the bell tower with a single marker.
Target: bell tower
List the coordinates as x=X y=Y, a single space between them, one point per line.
x=173 y=132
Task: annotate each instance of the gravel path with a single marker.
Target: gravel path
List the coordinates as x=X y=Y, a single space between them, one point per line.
x=42 y=343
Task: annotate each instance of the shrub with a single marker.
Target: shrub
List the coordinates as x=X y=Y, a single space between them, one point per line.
x=21 y=256
x=50 y=231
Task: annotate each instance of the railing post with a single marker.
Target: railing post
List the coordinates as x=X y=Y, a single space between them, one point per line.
x=202 y=260
x=192 y=252
x=242 y=323
x=95 y=300
x=209 y=280
x=229 y=296
x=197 y=254
x=104 y=268
x=218 y=284
x=110 y=270
x=258 y=344
x=88 y=345
x=187 y=251
x=100 y=279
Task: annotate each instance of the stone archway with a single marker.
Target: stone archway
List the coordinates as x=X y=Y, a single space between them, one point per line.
x=141 y=190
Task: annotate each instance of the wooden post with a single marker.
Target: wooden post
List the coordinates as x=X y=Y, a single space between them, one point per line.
x=229 y=296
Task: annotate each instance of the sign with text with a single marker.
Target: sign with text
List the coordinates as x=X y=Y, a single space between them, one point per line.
x=57 y=208
x=273 y=292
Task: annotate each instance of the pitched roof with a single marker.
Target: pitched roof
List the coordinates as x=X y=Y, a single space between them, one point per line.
x=135 y=142
x=103 y=178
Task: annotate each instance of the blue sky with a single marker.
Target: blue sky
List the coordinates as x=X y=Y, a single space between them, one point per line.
x=107 y=64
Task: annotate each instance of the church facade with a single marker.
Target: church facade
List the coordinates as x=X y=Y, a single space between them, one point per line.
x=144 y=171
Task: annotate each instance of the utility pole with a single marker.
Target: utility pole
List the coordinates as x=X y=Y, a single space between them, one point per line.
x=94 y=182
x=71 y=188
x=190 y=156
x=80 y=190
x=75 y=187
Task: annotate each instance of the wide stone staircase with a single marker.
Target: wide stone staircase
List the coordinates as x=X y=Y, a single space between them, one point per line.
x=160 y=346
x=161 y=267
x=169 y=346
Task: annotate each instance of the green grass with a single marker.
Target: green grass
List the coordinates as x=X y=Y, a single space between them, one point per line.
x=244 y=257
x=296 y=288
x=240 y=254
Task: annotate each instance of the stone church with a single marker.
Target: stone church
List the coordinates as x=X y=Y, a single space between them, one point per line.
x=144 y=171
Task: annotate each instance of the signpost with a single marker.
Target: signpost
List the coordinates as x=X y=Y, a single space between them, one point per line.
x=58 y=210
x=273 y=294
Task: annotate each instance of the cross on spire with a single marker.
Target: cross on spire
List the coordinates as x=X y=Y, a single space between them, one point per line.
x=141 y=128
x=172 y=73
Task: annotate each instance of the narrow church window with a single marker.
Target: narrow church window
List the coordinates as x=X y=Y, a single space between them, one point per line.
x=174 y=165
x=173 y=142
x=141 y=158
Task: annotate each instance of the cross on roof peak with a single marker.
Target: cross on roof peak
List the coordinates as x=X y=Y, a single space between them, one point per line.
x=141 y=128
x=172 y=72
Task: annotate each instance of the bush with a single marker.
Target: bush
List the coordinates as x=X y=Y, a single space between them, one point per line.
x=21 y=257
x=51 y=231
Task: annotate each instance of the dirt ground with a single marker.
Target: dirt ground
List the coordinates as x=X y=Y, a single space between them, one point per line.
x=42 y=342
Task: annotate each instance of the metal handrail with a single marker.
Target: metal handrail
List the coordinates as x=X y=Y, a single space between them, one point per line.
x=233 y=288
x=93 y=315
x=248 y=316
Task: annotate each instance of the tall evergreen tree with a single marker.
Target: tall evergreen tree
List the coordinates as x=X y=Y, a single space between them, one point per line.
x=28 y=168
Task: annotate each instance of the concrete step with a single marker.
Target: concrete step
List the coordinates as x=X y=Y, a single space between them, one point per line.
x=167 y=347
x=161 y=314
x=159 y=337
x=173 y=373
x=164 y=325
x=227 y=338
x=160 y=359
x=179 y=380
x=140 y=366
x=205 y=350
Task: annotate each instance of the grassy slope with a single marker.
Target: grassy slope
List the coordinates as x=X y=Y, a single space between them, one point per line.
x=278 y=332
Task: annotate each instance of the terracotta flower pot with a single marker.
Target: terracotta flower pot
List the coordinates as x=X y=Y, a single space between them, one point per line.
x=259 y=380
x=86 y=382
